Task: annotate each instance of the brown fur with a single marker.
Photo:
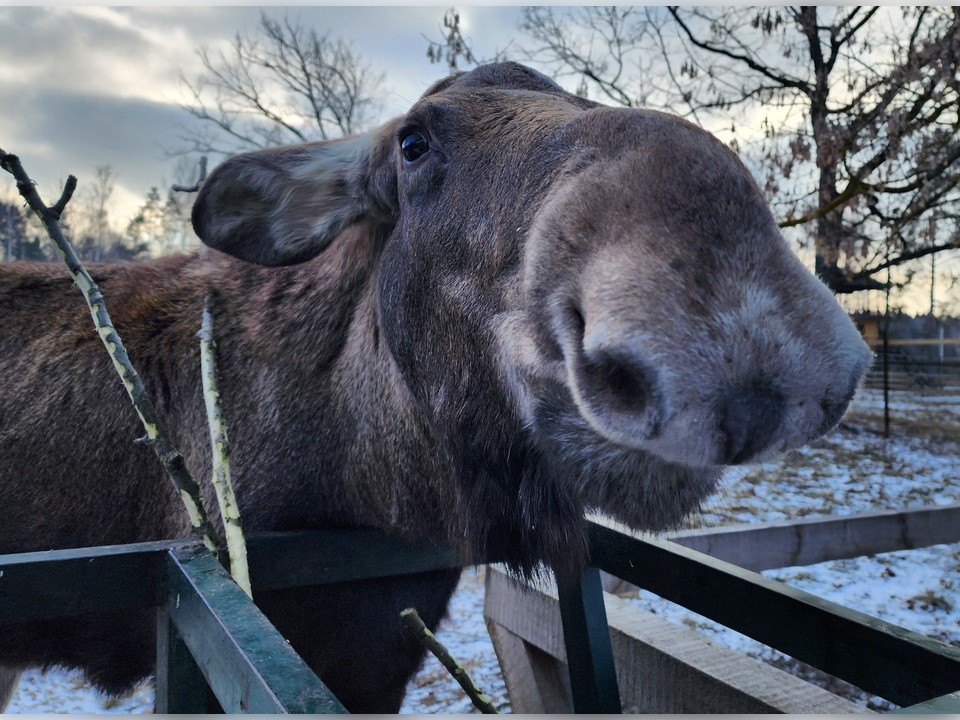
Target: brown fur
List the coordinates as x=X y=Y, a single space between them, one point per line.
x=560 y=307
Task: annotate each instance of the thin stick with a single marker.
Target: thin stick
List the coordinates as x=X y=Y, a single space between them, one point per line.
x=420 y=631
x=157 y=437
x=220 y=452
x=196 y=186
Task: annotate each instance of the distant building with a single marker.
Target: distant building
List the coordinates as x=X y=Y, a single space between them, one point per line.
x=868 y=323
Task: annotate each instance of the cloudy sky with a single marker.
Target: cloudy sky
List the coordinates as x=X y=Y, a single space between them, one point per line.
x=82 y=87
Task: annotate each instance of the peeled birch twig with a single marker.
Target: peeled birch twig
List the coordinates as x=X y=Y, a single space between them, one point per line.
x=220 y=453
x=156 y=438
x=416 y=628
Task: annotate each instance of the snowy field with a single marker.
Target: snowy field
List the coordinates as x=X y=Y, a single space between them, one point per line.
x=852 y=470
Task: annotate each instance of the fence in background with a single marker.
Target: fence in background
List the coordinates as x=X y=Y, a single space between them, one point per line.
x=651 y=665
x=921 y=365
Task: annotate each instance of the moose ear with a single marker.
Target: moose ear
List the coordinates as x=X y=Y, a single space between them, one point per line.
x=284 y=205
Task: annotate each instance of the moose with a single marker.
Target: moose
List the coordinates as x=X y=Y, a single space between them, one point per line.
x=473 y=324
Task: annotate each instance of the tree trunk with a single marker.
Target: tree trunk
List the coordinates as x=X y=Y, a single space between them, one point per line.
x=828 y=234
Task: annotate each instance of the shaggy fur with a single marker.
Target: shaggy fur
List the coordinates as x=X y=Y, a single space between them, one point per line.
x=560 y=307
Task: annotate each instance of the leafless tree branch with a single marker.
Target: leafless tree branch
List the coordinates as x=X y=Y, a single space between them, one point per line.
x=287 y=84
x=200 y=178
x=156 y=437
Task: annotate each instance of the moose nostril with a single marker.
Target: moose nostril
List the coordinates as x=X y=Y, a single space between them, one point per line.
x=577 y=321
x=621 y=384
x=749 y=423
x=833 y=410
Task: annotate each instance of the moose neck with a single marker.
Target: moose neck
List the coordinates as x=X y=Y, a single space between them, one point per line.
x=317 y=385
x=343 y=441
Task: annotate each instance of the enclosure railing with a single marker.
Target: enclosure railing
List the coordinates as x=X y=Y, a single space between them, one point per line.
x=918 y=364
x=901 y=666
x=211 y=634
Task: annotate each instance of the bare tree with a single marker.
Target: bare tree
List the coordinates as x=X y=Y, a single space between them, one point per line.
x=87 y=222
x=454 y=45
x=99 y=217
x=287 y=84
x=604 y=47
x=12 y=231
x=850 y=115
x=161 y=225
x=453 y=48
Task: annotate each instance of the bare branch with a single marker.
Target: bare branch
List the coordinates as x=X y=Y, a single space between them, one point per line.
x=220 y=453
x=287 y=84
x=751 y=63
x=421 y=632
x=853 y=29
x=905 y=258
x=558 y=46
x=157 y=437
x=68 y=189
x=200 y=178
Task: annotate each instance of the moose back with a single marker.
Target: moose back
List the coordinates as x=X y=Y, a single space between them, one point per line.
x=503 y=309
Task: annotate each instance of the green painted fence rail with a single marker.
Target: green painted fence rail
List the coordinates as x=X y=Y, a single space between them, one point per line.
x=212 y=638
x=889 y=661
x=61 y=583
x=247 y=663
x=209 y=633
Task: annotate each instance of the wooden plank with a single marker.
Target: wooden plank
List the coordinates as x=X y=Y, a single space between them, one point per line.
x=62 y=583
x=536 y=682
x=815 y=540
x=9 y=680
x=593 y=678
x=180 y=686
x=294 y=559
x=246 y=662
x=688 y=673
x=876 y=342
x=897 y=664
x=530 y=612
x=944 y=705
x=552 y=679
x=661 y=667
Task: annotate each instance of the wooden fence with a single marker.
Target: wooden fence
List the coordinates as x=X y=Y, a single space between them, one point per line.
x=211 y=633
x=652 y=665
x=926 y=370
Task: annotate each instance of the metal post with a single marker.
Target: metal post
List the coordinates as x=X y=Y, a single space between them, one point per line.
x=593 y=676
x=180 y=686
x=886 y=356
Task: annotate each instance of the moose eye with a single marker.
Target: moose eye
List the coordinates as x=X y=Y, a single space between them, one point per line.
x=413 y=146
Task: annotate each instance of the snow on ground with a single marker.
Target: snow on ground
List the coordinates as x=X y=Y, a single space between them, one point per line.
x=851 y=470
x=67 y=691
x=464 y=634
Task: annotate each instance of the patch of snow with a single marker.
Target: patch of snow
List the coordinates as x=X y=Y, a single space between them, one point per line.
x=59 y=690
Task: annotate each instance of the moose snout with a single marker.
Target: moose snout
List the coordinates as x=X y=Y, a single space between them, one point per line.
x=636 y=390
x=749 y=422
x=756 y=418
